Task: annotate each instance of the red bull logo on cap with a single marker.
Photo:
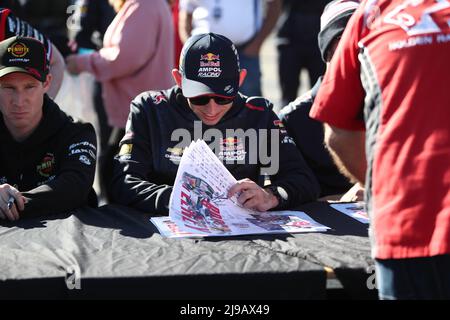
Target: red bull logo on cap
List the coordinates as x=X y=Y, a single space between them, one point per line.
x=210 y=60
x=210 y=57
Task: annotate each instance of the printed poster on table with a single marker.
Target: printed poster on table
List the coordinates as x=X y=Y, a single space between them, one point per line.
x=354 y=210
x=199 y=205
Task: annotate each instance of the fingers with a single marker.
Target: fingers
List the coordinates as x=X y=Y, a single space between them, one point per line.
x=252 y=196
x=11 y=211
x=7 y=213
x=20 y=200
x=15 y=212
x=240 y=186
x=251 y=204
x=246 y=195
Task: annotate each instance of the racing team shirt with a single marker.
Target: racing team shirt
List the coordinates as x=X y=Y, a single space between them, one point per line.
x=54 y=167
x=390 y=76
x=161 y=124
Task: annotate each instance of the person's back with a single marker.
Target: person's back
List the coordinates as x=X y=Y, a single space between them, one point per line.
x=401 y=50
x=308 y=136
x=296 y=40
x=308 y=133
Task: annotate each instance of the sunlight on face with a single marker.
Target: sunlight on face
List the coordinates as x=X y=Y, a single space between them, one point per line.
x=21 y=101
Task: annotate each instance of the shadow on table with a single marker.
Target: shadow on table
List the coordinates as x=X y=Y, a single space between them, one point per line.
x=33 y=223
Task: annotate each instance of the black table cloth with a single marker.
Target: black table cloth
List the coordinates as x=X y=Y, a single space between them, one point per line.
x=116 y=252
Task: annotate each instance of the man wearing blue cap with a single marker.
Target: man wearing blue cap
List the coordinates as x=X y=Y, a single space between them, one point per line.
x=206 y=100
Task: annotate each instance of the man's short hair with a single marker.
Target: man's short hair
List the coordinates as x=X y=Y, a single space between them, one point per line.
x=23 y=54
x=209 y=64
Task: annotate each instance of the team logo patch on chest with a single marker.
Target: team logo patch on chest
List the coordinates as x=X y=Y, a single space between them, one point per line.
x=45 y=168
x=174 y=154
x=232 y=149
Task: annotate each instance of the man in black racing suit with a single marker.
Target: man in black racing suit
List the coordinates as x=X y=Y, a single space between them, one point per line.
x=205 y=104
x=47 y=159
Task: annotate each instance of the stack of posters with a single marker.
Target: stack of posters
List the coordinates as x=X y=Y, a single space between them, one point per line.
x=199 y=206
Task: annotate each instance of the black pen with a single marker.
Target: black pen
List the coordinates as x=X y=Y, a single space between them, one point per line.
x=11 y=201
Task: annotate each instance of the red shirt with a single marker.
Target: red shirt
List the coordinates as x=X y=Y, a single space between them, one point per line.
x=390 y=76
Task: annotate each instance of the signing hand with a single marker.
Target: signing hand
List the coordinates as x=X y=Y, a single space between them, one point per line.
x=253 y=196
x=12 y=214
x=356 y=193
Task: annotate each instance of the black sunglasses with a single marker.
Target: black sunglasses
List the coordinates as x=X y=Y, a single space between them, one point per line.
x=204 y=100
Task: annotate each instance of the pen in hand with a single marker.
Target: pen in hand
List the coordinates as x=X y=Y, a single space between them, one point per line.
x=11 y=201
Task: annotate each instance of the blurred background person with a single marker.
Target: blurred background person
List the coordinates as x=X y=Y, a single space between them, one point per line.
x=137 y=55
x=14 y=5
x=50 y=18
x=245 y=22
x=175 y=7
x=307 y=132
x=297 y=45
x=92 y=20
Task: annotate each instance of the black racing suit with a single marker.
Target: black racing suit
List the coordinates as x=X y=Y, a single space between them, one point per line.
x=146 y=166
x=309 y=136
x=54 y=167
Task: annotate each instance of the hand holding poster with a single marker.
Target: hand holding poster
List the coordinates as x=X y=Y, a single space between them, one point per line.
x=199 y=205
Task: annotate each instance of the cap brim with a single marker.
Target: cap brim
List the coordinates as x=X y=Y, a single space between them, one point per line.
x=8 y=70
x=192 y=88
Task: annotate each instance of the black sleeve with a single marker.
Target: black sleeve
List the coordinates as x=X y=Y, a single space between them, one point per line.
x=132 y=182
x=294 y=175
x=73 y=182
x=307 y=132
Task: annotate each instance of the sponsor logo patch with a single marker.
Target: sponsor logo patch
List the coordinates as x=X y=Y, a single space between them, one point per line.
x=125 y=149
x=174 y=154
x=278 y=123
x=45 y=168
x=85 y=160
x=209 y=66
x=18 y=50
x=159 y=98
